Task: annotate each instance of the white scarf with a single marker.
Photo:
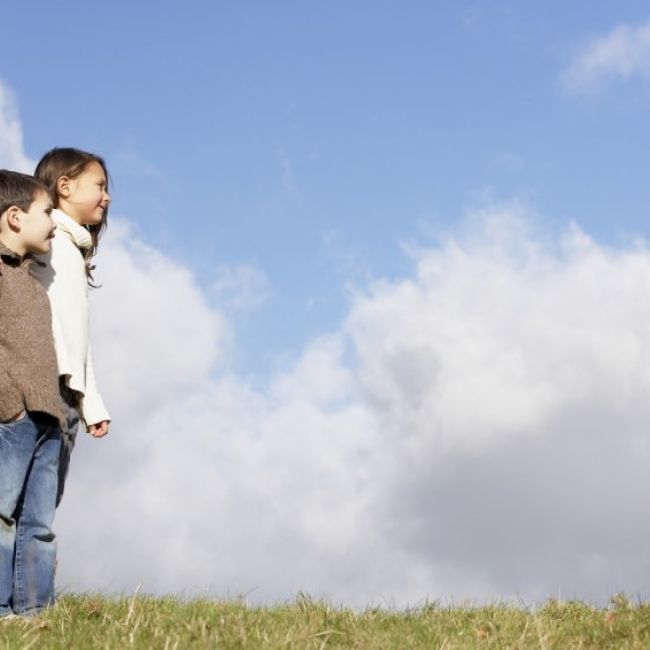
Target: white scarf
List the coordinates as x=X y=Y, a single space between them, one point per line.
x=77 y=233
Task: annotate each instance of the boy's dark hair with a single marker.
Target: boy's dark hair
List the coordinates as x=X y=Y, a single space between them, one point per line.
x=71 y=162
x=19 y=190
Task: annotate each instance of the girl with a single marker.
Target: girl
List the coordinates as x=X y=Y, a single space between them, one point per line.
x=79 y=184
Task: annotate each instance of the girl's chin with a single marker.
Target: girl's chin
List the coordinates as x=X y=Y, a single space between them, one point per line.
x=93 y=220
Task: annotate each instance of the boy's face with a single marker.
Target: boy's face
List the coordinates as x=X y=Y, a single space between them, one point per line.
x=36 y=225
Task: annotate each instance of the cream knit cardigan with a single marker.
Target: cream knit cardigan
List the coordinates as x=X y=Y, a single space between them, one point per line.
x=64 y=277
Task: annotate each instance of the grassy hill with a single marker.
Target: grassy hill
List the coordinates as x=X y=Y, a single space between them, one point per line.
x=166 y=623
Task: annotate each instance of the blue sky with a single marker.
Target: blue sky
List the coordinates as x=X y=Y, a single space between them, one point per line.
x=312 y=140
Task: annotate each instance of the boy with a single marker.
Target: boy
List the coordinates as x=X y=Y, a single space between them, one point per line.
x=31 y=410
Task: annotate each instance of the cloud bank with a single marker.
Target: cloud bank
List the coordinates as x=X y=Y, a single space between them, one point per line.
x=622 y=54
x=477 y=429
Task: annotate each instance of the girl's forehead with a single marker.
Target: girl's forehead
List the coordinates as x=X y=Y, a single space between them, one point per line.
x=94 y=169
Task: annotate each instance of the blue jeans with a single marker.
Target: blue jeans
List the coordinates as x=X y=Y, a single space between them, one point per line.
x=29 y=463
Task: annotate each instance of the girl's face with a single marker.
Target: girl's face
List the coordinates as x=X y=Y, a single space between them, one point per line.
x=85 y=198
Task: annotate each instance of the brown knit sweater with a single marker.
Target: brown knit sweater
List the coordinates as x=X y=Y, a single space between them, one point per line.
x=29 y=376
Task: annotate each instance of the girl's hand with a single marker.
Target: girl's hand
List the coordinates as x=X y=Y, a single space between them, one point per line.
x=98 y=430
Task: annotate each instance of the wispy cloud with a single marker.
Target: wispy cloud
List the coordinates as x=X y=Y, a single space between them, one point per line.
x=508 y=161
x=288 y=177
x=131 y=161
x=622 y=54
x=240 y=287
x=12 y=153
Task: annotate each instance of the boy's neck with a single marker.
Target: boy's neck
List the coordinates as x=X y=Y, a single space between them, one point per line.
x=14 y=245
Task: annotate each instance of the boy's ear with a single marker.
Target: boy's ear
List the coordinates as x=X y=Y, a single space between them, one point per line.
x=12 y=213
x=63 y=187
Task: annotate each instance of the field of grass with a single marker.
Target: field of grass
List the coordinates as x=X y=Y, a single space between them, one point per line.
x=166 y=623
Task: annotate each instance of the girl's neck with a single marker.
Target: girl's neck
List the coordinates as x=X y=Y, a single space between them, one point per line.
x=68 y=208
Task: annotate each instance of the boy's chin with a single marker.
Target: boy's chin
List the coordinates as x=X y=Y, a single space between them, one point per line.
x=40 y=249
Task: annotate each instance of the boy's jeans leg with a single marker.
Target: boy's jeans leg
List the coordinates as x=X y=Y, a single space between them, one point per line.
x=35 y=559
x=17 y=443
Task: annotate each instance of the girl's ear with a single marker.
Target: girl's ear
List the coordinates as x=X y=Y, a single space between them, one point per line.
x=63 y=187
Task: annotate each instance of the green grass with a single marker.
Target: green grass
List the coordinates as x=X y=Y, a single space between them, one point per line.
x=147 y=622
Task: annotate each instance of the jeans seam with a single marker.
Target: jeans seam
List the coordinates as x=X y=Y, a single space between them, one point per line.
x=18 y=568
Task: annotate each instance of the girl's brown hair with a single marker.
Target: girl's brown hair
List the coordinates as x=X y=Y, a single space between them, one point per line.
x=66 y=161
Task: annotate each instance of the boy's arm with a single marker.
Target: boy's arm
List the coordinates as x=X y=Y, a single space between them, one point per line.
x=10 y=396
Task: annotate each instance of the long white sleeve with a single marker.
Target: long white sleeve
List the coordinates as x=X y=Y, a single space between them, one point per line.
x=93 y=410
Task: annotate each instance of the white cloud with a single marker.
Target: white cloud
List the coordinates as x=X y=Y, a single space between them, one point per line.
x=621 y=54
x=475 y=430
x=512 y=377
x=153 y=315
x=12 y=154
